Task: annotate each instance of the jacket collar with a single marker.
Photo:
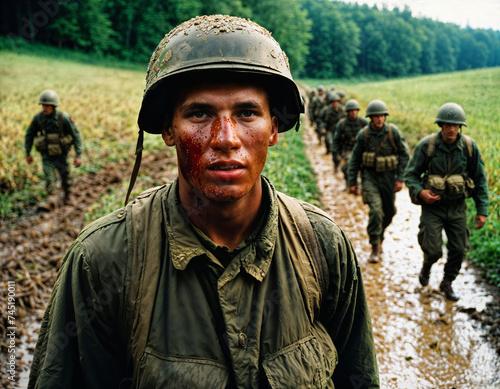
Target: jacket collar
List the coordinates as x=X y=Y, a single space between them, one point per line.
x=254 y=254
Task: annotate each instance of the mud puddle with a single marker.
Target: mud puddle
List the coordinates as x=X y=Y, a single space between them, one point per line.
x=422 y=340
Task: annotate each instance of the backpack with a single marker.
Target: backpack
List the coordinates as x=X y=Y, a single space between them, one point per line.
x=143 y=267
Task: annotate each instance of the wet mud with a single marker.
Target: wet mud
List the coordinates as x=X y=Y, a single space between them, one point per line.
x=422 y=339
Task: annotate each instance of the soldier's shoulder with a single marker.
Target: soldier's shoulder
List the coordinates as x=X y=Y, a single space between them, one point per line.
x=110 y=221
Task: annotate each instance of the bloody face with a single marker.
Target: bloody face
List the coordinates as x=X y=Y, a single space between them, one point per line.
x=449 y=132
x=221 y=133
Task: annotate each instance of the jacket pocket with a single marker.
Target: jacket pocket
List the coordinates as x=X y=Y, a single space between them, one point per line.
x=158 y=370
x=303 y=364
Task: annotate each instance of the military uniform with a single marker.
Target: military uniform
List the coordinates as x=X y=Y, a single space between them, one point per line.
x=328 y=119
x=85 y=342
x=378 y=187
x=450 y=212
x=344 y=140
x=59 y=162
x=317 y=104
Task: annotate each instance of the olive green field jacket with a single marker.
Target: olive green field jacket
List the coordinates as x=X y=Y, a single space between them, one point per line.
x=50 y=125
x=369 y=177
x=96 y=320
x=454 y=156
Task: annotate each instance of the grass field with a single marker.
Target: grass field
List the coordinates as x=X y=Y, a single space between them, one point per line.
x=105 y=101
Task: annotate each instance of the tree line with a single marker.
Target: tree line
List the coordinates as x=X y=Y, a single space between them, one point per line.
x=322 y=38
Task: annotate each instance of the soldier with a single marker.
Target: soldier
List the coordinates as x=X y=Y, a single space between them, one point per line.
x=215 y=280
x=315 y=107
x=53 y=132
x=451 y=165
x=341 y=94
x=345 y=136
x=381 y=154
x=327 y=122
x=310 y=107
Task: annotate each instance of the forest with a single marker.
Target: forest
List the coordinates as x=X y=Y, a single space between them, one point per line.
x=322 y=38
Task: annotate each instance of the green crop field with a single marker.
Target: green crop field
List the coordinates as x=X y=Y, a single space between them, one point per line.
x=105 y=101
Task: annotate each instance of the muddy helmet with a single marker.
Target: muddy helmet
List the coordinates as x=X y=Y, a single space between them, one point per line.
x=351 y=105
x=376 y=107
x=216 y=44
x=49 y=97
x=451 y=113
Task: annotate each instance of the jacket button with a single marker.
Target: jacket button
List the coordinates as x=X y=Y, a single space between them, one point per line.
x=242 y=340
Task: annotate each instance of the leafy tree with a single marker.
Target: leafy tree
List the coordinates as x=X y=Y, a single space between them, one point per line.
x=289 y=25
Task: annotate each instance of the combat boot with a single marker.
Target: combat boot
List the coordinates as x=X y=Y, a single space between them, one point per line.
x=425 y=273
x=375 y=254
x=446 y=288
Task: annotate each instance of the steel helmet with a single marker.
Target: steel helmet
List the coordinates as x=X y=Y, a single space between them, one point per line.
x=332 y=96
x=212 y=48
x=341 y=93
x=351 y=105
x=213 y=44
x=49 y=97
x=451 y=113
x=376 y=107
x=321 y=88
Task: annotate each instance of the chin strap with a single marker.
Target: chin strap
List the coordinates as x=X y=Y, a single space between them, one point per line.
x=137 y=165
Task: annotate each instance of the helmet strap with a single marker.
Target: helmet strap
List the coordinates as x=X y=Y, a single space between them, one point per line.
x=137 y=165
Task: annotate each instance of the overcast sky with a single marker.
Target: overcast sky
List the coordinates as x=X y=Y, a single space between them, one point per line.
x=473 y=13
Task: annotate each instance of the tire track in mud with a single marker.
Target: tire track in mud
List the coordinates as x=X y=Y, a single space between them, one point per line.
x=422 y=340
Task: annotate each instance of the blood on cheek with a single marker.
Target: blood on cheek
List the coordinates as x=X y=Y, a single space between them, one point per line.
x=191 y=155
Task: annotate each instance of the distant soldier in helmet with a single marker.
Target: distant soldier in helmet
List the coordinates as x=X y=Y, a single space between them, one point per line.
x=452 y=169
x=345 y=135
x=341 y=94
x=381 y=154
x=327 y=121
x=315 y=106
x=310 y=106
x=215 y=280
x=53 y=132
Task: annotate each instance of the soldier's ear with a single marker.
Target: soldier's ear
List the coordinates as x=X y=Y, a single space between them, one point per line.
x=167 y=134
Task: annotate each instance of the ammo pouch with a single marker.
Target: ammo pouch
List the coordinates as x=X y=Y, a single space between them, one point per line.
x=66 y=141
x=368 y=159
x=386 y=164
x=54 y=145
x=40 y=143
x=455 y=187
x=436 y=184
x=469 y=187
x=381 y=164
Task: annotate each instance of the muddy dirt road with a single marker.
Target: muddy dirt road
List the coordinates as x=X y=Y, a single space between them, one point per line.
x=423 y=341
